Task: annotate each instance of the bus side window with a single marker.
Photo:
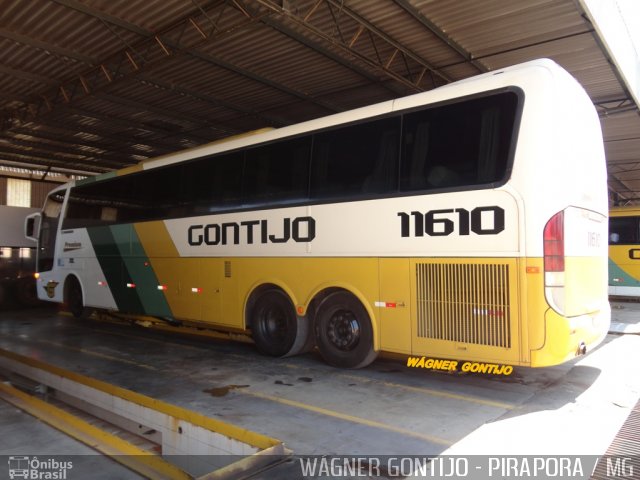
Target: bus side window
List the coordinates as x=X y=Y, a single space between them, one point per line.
x=488 y=151
x=458 y=145
x=417 y=143
x=212 y=183
x=357 y=160
x=382 y=178
x=277 y=172
x=624 y=230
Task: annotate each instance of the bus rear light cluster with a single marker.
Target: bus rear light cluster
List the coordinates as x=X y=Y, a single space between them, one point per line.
x=102 y=283
x=131 y=285
x=162 y=288
x=554 y=244
x=196 y=290
x=554 y=262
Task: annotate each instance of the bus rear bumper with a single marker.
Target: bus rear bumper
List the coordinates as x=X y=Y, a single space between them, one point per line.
x=567 y=338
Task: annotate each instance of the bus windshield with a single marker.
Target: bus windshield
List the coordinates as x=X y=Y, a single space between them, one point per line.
x=48 y=230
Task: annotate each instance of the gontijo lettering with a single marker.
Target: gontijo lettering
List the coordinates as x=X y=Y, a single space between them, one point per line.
x=299 y=229
x=456 y=366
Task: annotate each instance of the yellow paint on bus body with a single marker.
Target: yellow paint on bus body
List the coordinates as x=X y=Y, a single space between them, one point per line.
x=224 y=286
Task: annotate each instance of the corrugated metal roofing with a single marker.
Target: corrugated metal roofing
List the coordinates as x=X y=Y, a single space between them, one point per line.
x=90 y=86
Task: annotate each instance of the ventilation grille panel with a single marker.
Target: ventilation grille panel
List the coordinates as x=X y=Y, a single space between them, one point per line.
x=466 y=303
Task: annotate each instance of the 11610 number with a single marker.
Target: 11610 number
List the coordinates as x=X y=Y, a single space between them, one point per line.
x=440 y=223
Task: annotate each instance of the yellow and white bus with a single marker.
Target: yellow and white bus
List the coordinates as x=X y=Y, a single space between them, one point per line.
x=624 y=251
x=467 y=222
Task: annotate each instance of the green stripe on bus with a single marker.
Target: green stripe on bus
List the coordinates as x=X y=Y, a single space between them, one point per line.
x=115 y=273
x=618 y=273
x=140 y=271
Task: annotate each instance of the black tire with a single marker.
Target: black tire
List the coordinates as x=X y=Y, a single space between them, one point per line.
x=344 y=334
x=274 y=323
x=75 y=300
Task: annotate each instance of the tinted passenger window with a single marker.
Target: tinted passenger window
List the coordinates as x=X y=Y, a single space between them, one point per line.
x=140 y=196
x=277 y=172
x=93 y=204
x=459 y=144
x=213 y=183
x=624 y=231
x=151 y=194
x=356 y=161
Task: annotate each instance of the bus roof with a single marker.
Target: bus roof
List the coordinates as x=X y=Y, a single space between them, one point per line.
x=484 y=82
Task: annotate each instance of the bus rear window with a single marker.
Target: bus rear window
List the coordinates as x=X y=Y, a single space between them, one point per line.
x=458 y=145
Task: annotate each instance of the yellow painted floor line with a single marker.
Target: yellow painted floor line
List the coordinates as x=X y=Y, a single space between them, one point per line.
x=146 y=338
x=121 y=451
x=203 y=348
x=87 y=352
x=98 y=354
x=437 y=393
x=422 y=390
x=348 y=418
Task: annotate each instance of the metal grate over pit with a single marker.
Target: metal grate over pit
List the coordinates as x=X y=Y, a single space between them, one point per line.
x=622 y=458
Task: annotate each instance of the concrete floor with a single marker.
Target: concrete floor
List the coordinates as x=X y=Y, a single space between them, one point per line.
x=24 y=435
x=384 y=409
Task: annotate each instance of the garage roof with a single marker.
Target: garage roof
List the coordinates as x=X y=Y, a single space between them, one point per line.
x=92 y=86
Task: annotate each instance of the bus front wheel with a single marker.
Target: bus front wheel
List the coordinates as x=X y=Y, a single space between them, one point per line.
x=75 y=300
x=343 y=331
x=274 y=323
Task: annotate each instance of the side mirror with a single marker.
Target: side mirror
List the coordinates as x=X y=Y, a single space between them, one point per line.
x=31 y=226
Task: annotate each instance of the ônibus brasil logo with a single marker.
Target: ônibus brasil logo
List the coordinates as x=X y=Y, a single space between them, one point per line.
x=37 y=469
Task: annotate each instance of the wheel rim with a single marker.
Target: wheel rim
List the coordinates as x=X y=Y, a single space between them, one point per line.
x=343 y=330
x=274 y=323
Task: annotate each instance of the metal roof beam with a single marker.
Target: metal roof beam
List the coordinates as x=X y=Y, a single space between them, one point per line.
x=258 y=78
x=39 y=170
x=159 y=135
x=317 y=47
x=441 y=34
x=13 y=72
x=110 y=19
x=21 y=156
x=46 y=47
x=177 y=44
x=270 y=119
x=191 y=120
x=122 y=139
x=412 y=63
x=122 y=65
x=56 y=146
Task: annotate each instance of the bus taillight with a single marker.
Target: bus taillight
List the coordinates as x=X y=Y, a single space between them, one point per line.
x=554 y=244
x=554 y=280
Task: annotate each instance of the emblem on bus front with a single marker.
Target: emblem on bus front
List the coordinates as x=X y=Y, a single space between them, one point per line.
x=50 y=288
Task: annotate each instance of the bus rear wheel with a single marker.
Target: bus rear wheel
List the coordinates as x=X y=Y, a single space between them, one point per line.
x=274 y=324
x=344 y=334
